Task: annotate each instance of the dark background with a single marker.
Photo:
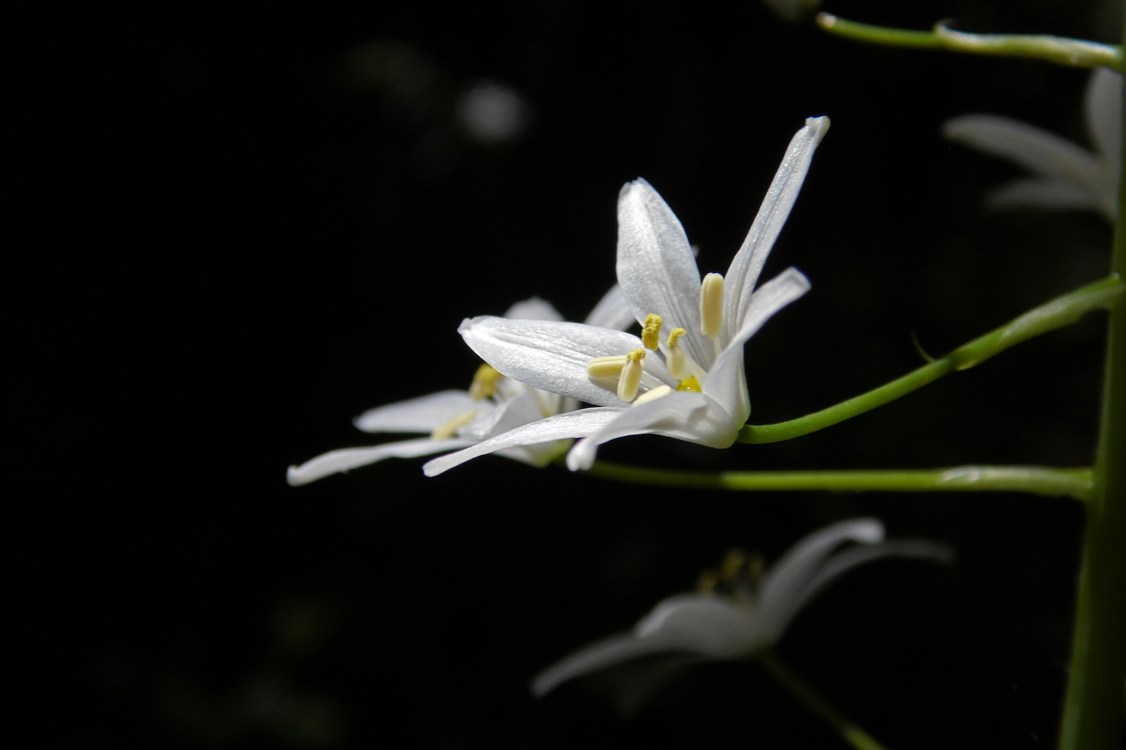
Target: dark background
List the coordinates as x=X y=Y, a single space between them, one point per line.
x=245 y=228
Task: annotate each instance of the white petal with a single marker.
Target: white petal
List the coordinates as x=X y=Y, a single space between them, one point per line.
x=533 y=309
x=726 y=382
x=346 y=459
x=847 y=559
x=1043 y=192
x=785 y=580
x=656 y=267
x=1030 y=147
x=554 y=356
x=747 y=264
x=683 y=415
x=422 y=414
x=596 y=656
x=1104 y=114
x=689 y=623
x=570 y=424
x=612 y=311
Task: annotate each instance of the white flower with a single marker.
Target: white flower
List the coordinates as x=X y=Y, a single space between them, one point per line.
x=748 y=618
x=452 y=420
x=683 y=378
x=1066 y=175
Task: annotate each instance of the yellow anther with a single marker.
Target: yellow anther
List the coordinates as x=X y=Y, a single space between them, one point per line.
x=677 y=361
x=630 y=379
x=707 y=581
x=652 y=395
x=651 y=331
x=689 y=384
x=449 y=429
x=606 y=368
x=711 y=305
x=484 y=383
x=734 y=562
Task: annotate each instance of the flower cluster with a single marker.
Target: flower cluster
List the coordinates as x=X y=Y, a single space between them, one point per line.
x=682 y=377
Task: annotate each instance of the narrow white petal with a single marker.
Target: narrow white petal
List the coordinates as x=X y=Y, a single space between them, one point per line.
x=747 y=264
x=346 y=459
x=570 y=424
x=845 y=560
x=533 y=308
x=596 y=656
x=422 y=414
x=1030 y=147
x=612 y=311
x=1104 y=114
x=726 y=381
x=683 y=415
x=689 y=623
x=554 y=356
x=785 y=580
x=1044 y=192
x=656 y=267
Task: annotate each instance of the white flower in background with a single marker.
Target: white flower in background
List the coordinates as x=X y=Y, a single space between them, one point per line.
x=452 y=420
x=794 y=11
x=683 y=378
x=749 y=615
x=1066 y=175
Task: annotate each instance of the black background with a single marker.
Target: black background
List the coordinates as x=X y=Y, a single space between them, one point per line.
x=244 y=228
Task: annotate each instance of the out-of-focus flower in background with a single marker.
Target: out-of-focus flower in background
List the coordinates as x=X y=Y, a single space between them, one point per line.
x=1065 y=175
x=740 y=610
x=493 y=112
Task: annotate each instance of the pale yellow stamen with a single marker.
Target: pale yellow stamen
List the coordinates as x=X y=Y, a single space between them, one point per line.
x=711 y=305
x=653 y=395
x=606 y=368
x=449 y=429
x=484 y=383
x=630 y=379
x=651 y=331
x=690 y=384
x=677 y=361
x=733 y=563
x=707 y=582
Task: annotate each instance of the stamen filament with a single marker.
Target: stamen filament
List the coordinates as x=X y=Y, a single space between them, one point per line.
x=449 y=429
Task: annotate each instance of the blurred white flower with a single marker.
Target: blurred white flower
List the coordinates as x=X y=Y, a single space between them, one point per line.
x=457 y=419
x=684 y=377
x=749 y=616
x=793 y=11
x=1065 y=174
x=492 y=112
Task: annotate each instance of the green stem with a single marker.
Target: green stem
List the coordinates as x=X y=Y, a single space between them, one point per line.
x=816 y=702
x=1039 y=480
x=1093 y=702
x=1061 y=50
x=1056 y=313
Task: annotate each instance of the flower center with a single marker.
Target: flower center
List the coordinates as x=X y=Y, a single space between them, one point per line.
x=738 y=577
